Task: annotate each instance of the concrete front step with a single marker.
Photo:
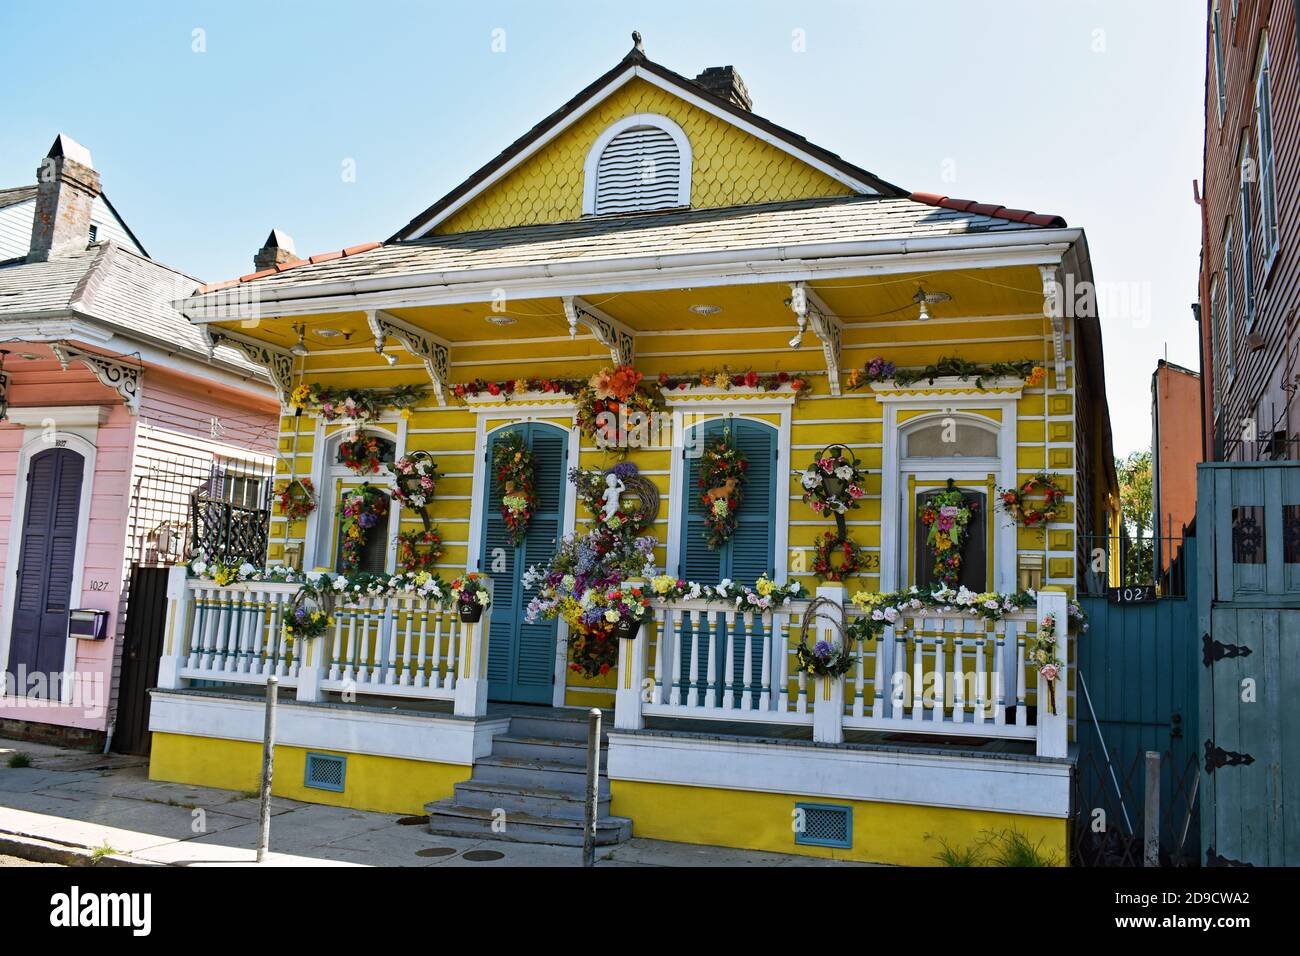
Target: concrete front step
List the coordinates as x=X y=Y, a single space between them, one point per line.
x=446 y=818
x=551 y=727
x=535 y=774
x=550 y=750
x=529 y=800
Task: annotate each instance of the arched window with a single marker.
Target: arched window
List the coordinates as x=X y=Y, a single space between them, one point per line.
x=640 y=163
x=951 y=438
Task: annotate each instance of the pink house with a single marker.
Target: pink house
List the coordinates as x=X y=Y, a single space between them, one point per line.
x=125 y=436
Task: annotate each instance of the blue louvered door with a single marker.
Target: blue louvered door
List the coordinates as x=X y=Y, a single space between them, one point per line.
x=747 y=555
x=521 y=656
x=46 y=563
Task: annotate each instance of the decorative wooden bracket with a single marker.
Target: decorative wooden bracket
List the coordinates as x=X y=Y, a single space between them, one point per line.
x=826 y=325
x=1054 y=309
x=120 y=377
x=278 y=362
x=609 y=331
x=427 y=347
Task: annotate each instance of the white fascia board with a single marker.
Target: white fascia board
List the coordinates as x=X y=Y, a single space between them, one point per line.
x=649 y=273
x=52 y=327
x=184 y=363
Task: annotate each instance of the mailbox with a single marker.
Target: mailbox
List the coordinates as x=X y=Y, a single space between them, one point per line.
x=88 y=624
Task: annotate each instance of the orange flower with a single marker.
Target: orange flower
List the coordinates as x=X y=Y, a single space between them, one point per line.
x=623 y=381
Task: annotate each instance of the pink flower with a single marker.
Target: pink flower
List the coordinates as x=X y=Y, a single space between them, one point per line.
x=818 y=506
x=1048 y=672
x=855 y=491
x=827 y=465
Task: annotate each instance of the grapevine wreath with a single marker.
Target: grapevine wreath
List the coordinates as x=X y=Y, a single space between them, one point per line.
x=722 y=481
x=1016 y=501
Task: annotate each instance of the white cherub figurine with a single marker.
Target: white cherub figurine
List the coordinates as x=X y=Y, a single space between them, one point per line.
x=613 y=494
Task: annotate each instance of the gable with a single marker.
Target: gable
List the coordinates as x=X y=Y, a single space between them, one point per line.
x=730 y=167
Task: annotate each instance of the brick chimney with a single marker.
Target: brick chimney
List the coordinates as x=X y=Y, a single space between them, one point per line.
x=66 y=188
x=277 y=251
x=725 y=83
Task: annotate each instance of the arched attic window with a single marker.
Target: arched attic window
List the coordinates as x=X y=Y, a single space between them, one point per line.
x=639 y=163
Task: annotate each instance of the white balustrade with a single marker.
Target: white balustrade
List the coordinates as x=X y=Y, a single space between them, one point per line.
x=394 y=645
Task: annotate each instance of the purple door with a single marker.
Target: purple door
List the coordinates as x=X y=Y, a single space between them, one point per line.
x=43 y=583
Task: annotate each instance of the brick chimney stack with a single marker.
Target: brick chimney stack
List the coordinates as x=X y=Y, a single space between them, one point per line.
x=277 y=251
x=725 y=82
x=66 y=188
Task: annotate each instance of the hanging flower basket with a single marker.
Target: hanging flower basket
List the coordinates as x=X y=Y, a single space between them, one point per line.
x=627 y=628
x=471 y=597
x=470 y=612
x=834 y=484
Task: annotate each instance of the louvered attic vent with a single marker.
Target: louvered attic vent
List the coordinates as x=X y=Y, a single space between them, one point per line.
x=639 y=169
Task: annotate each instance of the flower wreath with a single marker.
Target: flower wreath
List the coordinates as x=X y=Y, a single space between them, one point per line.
x=361 y=453
x=592 y=485
x=1042 y=485
x=722 y=481
x=513 y=463
x=362 y=508
x=307 y=618
x=605 y=398
x=823 y=659
x=297 y=499
x=415 y=477
x=833 y=483
x=418 y=550
x=593 y=649
x=946 y=515
x=830 y=543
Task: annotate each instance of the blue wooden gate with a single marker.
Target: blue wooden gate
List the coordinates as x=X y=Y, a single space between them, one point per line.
x=1138 y=692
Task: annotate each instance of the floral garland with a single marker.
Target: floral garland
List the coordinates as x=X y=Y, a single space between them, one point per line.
x=725 y=380
x=512 y=460
x=722 y=483
x=879 y=370
x=418 y=550
x=608 y=398
x=358 y=404
x=829 y=544
x=823 y=659
x=297 y=499
x=416 y=475
x=509 y=388
x=946 y=515
x=362 y=508
x=1042 y=651
x=883 y=609
x=362 y=454
x=765 y=594
x=833 y=482
x=422 y=584
x=1040 y=485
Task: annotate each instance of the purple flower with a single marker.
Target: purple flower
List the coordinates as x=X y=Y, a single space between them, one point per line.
x=625 y=469
x=822 y=649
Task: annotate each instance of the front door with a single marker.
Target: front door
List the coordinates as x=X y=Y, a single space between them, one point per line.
x=521 y=656
x=918 y=560
x=46 y=564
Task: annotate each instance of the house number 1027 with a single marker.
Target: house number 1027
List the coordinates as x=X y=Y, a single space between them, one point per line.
x=99 y=585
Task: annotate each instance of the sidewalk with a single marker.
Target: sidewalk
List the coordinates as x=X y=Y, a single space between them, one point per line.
x=70 y=807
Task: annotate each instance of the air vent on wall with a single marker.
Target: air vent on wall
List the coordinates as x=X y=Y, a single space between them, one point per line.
x=326 y=772
x=825 y=825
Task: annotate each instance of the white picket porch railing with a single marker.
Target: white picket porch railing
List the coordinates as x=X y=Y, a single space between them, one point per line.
x=930 y=673
x=396 y=645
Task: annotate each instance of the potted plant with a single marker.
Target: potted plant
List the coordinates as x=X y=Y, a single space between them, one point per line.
x=471 y=597
x=628 y=609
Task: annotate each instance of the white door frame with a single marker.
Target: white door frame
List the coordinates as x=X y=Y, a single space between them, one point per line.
x=37 y=439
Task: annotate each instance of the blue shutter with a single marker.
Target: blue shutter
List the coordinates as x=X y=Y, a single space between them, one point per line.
x=749 y=552
x=521 y=656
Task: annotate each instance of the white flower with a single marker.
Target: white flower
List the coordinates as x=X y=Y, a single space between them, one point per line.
x=246 y=570
x=198 y=567
x=811 y=479
x=891 y=615
x=314 y=577
x=844 y=471
x=612 y=616
x=340 y=583
x=877 y=615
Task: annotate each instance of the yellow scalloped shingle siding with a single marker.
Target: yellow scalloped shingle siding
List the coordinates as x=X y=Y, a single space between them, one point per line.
x=730 y=167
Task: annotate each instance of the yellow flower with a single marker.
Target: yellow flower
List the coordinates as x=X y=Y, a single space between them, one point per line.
x=406 y=413
x=662 y=583
x=763 y=586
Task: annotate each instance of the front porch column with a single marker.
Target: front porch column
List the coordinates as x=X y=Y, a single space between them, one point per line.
x=471 y=664
x=311 y=668
x=1054 y=728
x=828 y=692
x=632 y=656
x=176 y=641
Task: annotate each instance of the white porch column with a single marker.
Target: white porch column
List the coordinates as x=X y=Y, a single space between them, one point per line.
x=311 y=666
x=828 y=692
x=471 y=664
x=176 y=642
x=1054 y=728
x=632 y=656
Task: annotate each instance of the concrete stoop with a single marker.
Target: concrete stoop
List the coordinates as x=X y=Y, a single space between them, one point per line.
x=537 y=777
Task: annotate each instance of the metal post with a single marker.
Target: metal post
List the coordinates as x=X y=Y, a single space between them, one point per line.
x=593 y=789
x=1151 y=814
x=268 y=766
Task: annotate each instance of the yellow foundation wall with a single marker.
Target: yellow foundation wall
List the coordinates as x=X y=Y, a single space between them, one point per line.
x=882 y=832
x=729 y=167
x=385 y=784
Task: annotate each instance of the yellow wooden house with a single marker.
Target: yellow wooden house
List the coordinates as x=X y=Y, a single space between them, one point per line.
x=775 y=299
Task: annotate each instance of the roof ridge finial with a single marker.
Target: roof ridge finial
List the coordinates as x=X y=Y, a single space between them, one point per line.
x=636 y=42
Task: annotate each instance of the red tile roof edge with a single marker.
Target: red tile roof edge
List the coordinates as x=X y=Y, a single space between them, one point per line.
x=292 y=264
x=989 y=209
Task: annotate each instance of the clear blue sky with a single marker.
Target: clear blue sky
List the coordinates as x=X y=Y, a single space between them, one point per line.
x=1091 y=110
